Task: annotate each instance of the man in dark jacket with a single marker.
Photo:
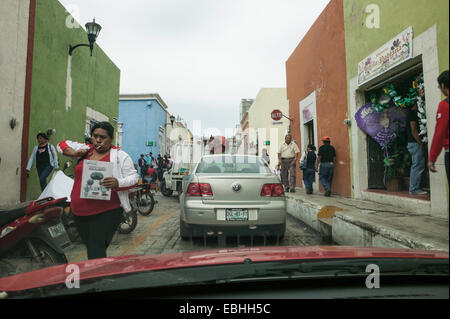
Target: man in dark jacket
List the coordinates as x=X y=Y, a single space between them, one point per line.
x=326 y=160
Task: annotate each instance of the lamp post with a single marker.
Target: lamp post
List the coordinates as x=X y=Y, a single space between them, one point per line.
x=93 y=29
x=172 y=119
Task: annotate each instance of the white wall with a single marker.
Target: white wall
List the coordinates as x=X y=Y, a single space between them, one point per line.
x=267 y=100
x=13 y=54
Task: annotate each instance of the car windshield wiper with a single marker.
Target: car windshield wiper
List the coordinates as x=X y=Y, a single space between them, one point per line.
x=336 y=268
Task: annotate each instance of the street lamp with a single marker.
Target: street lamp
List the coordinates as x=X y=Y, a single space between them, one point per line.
x=93 y=29
x=172 y=119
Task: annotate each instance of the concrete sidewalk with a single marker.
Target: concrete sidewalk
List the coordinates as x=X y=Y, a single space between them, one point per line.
x=354 y=222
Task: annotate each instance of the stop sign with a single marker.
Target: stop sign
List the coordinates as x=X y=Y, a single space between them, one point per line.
x=276 y=115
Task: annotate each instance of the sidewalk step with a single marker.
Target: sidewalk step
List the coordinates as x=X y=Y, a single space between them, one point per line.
x=367 y=224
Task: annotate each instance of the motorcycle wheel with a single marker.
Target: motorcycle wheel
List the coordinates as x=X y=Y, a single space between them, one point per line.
x=128 y=223
x=145 y=204
x=73 y=234
x=49 y=256
x=165 y=191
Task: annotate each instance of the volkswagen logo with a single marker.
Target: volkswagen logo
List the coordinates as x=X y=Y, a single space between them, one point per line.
x=236 y=187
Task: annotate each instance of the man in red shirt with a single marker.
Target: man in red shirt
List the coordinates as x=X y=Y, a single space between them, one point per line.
x=440 y=138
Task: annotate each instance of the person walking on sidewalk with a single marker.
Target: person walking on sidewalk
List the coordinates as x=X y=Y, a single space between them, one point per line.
x=287 y=159
x=416 y=149
x=440 y=138
x=309 y=171
x=44 y=154
x=326 y=160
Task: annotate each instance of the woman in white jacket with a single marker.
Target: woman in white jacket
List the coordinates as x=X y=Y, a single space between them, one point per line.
x=98 y=220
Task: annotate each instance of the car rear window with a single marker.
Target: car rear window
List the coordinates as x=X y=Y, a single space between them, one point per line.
x=232 y=165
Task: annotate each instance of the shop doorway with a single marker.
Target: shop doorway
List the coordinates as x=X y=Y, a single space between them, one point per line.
x=309 y=127
x=379 y=174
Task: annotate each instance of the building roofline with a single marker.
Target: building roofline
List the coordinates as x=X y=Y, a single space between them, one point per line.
x=143 y=97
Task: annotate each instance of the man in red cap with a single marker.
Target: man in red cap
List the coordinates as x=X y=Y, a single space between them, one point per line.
x=326 y=160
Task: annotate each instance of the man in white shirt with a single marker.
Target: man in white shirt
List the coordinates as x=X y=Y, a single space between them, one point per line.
x=287 y=159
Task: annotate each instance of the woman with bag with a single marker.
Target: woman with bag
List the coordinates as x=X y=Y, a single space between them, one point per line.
x=307 y=165
x=98 y=219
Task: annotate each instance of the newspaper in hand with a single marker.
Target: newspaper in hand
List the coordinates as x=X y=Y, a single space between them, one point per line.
x=91 y=181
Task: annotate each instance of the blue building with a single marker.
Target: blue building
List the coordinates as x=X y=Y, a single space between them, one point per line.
x=143 y=124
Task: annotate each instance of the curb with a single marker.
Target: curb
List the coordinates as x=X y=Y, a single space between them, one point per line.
x=350 y=227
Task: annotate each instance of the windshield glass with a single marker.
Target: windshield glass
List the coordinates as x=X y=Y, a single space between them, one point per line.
x=232 y=165
x=147 y=141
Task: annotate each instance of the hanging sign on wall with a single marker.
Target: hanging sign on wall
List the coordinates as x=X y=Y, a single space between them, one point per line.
x=391 y=54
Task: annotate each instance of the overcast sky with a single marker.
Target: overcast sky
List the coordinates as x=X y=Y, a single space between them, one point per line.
x=201 y=56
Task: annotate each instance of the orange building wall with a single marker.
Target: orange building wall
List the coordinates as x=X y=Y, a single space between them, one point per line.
x=318 y=63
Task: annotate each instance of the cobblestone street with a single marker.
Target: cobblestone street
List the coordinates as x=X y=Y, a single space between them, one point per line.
x=158 y=233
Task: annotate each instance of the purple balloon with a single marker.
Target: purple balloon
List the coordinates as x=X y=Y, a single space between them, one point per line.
x=381 y=126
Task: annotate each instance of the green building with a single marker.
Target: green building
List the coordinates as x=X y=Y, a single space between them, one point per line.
x=63 y=95
x=394 y=42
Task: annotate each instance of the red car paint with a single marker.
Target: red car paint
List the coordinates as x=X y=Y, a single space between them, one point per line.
x=133 y=264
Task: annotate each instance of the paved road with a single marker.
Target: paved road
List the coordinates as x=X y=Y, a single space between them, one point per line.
x=159 y=233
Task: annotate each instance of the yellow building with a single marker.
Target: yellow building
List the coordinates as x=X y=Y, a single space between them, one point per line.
x=268 y=122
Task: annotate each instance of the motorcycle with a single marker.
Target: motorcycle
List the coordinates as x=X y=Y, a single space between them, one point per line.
x=142 y=196
x=128 y=224
x=34 y=231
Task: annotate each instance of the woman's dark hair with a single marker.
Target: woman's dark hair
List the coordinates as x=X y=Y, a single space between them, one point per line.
x=311 y=147
x=42 y=135
x=443 y=79
x=105 y=126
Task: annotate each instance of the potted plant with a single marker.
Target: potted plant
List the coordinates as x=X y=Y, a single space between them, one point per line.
x=398 y=165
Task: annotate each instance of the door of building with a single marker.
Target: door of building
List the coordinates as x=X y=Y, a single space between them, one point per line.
x=375 y=164
x=310 y=129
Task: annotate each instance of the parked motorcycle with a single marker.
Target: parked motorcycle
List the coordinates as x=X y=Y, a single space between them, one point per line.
x=34 y=230
x=142 y=196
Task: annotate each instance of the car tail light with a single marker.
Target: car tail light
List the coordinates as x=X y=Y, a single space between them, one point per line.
x=278 y=190
x=266 y=190
x=206 y=190
x=202 y=189
x=272 y=190
x=193 y=190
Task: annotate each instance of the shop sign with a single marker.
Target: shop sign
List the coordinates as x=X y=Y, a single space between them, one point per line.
x=390 y=55
x=150 y=143
x=308 y=114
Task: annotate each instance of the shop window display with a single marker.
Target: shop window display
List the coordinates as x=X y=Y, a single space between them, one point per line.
x=383 y=119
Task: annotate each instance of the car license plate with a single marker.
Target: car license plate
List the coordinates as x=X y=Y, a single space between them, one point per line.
x=236 y=214
x=57 y=230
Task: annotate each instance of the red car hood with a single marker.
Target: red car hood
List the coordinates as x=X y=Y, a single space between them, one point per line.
x=133 y=264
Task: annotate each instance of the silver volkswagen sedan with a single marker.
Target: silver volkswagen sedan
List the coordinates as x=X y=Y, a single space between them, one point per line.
x=233 y=195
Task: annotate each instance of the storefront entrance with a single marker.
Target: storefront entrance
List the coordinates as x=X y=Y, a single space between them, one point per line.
x=389 y=169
